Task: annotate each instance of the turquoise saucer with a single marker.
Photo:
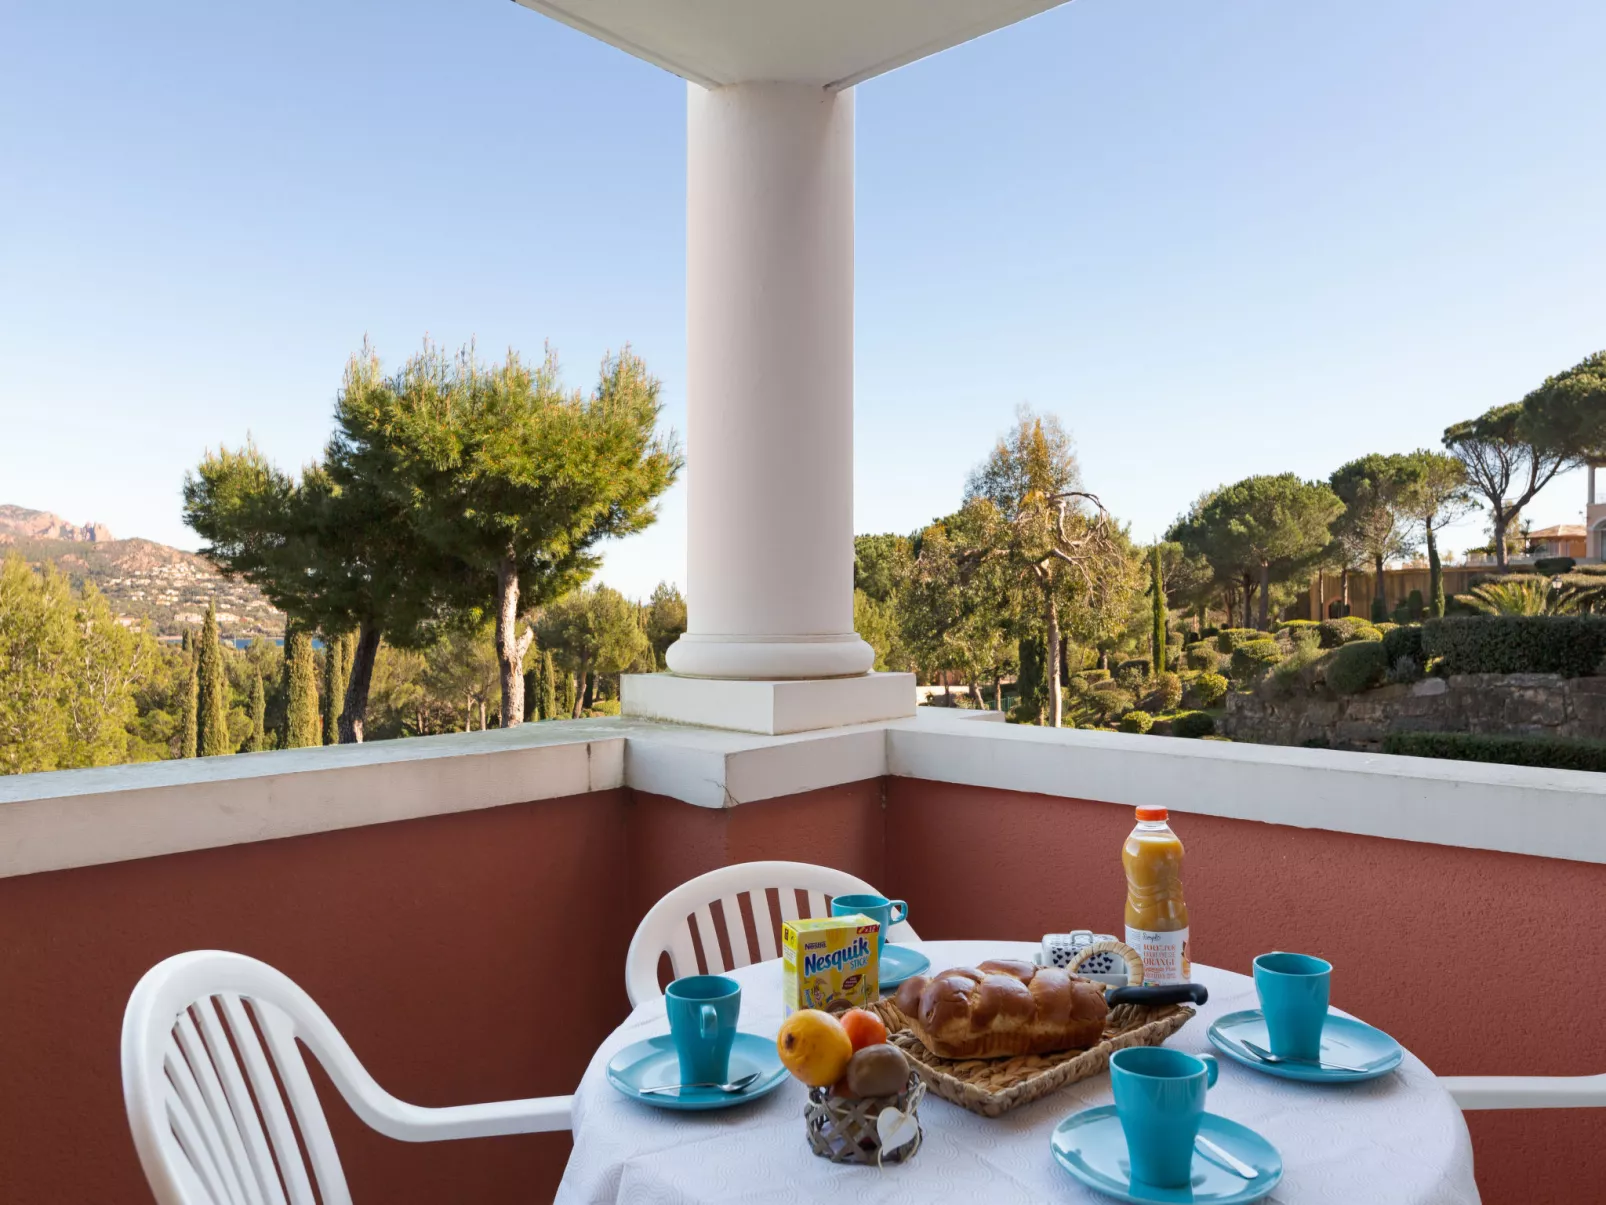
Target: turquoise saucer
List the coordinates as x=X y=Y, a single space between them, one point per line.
x=654 y=1064
x=899 y=963
x=1091 y=1146
x=1344 y=1040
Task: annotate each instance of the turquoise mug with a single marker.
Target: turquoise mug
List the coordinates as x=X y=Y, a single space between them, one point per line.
x=1293 y=991
x=1160 y=1100
x=702 y=1022
x=878 y=908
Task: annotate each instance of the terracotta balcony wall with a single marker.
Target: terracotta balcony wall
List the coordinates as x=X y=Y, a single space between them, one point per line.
x=461 y=906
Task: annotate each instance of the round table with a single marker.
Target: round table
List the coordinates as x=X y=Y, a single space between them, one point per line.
x=1399 y=1140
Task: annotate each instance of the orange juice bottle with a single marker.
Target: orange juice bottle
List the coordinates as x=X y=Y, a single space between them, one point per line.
x=1156 y=913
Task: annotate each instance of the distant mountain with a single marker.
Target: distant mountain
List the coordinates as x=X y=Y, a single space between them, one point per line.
x=140 y=578
x=21 y=523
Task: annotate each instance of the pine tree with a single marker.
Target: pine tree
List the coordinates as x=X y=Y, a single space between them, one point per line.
x=549 y=687
x=192 y=706
x=301 y=686
x=1158 y=635
x=212 y=728
x=258 y=710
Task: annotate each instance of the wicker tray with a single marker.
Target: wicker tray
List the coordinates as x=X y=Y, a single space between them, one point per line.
x=992 y=1087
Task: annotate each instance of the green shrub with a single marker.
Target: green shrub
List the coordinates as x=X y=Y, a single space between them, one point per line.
x=1345 y=631
x=1415 y=605
x=1135 y=669
x=1208 y=689
x=1551 y=566
x=1201 y=655
x=1401 y=613
x=1380 y=610
x=1209 y=633
x=1229 y=639
x=1551 y=752
x=1136 y=721
x=1167 y=693
x=1591 y=570
x=1304 y=638
x=1385 y=628
x=1094 y=675
x=1107 y=705
x=1570 y=645
x=1193 y=724
x=1251 y=660
x=1404 y=642
x=603 y=707
x=1356 y=666
x=1294 y=624
x=1290 y=673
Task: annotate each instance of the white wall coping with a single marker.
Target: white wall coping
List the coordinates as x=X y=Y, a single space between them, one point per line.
x=85 y=817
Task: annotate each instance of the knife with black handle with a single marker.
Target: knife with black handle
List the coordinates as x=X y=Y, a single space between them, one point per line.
x=1158 y=995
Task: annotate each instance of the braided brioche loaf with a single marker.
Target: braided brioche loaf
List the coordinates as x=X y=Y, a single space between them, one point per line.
x=1002 y=1008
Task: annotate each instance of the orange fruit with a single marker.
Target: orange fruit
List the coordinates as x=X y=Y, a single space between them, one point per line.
x=864 y=1028
x=814 y=1047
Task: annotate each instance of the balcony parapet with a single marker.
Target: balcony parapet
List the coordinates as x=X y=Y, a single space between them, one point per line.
x=87 y=817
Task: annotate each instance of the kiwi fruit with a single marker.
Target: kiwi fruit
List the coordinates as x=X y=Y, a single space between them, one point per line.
x=880 y=1070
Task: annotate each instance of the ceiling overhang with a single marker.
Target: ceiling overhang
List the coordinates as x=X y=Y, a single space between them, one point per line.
x=828 y=43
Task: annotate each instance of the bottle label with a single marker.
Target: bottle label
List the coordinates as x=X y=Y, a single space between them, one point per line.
x=1165 y=955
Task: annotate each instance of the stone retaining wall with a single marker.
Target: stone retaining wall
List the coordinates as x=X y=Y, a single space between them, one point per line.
x=1492 y=704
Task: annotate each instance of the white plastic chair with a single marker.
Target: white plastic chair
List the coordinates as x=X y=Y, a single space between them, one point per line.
x=1526 y=1091
x=669 y=924
x=210 y=1057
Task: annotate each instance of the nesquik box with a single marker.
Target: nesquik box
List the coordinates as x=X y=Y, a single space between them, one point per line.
x=831 y=963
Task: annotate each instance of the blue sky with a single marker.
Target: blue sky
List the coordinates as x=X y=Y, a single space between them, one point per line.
x=1217 y=237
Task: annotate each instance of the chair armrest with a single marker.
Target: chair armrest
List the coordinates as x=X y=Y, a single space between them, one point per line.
x=1526 y=1091
x=412 y=1123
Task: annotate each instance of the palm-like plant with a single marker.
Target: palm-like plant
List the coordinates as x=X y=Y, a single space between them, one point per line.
x=1529 y=596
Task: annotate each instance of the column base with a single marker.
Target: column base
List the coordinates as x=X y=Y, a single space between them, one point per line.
x=770 y=707
x=760 y=658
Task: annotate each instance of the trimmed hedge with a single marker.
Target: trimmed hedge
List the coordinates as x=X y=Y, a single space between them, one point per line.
x=1550 y=566
x=1354 y=667
x=1251 y=660
x=1208 y=689
x=1344 y=631
x=1091 y=676
x=1136 y=721
x=1193 y=724
x=1201 y=654
x=1569 y=645
x=1136 y=667
x=1167 y=693
x=1405 y=642
x=1229 y=640
x=1550 y=752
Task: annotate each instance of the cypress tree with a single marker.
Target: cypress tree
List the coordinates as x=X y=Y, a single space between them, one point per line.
x=549 y=687
x=301 y=688
x=192 y=701
x=258 y=710
x=565 y=698
x=1158 y=637
x=337 y=652
x=212 y=730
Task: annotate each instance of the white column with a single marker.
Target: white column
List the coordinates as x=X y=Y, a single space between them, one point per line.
x=769 y=375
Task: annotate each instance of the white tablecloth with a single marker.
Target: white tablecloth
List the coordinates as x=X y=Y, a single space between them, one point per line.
x=1398 y=1140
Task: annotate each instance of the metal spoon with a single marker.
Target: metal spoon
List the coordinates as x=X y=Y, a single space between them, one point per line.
x=1266 y=1056
x=736 y=1085
x=1225 y=1157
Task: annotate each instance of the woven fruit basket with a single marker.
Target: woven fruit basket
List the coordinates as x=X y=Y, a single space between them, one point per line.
x=992 y=1087
x=844 y=1130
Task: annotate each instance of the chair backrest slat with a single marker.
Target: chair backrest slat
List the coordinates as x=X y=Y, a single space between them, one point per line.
x=789 y=904
x=186 y=1129
x=286 y=1150
x=682 y=954
x=763 y=924
x=703 y=920
x=218 y=1128
x=280 y=1032
x=263 y=1183
x=817 y=905
x=735 y=930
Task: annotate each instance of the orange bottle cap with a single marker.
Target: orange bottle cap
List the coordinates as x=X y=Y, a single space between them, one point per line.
x=1152 y=814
